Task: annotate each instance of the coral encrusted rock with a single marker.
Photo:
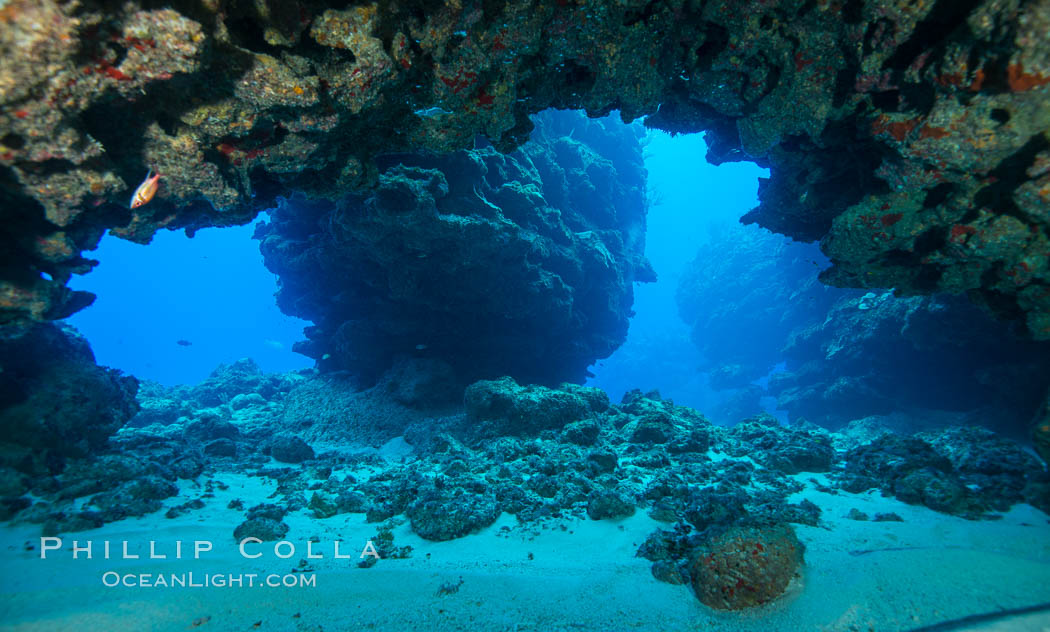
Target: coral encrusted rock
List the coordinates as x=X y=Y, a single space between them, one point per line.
x=749 y=284
x=505 y=408
x=265 y=529
x=1041 y=430
x=910 y=138
x=746 y=566
x=788 y=449
x=848 y=354
x=441 y=515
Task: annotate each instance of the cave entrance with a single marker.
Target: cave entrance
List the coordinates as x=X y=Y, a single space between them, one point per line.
x=174 y=310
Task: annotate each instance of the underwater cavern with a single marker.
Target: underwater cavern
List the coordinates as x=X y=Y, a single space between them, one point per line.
x=525 y=315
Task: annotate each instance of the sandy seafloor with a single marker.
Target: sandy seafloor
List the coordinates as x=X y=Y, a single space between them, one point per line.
x=930 y=568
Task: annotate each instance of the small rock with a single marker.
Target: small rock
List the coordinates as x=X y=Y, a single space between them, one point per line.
x=246 y=400
x=856 y=514
x=583 y=432
x=605 y=460
x=608 y=504
x=263 y=528
x=211 y=426
x=667 y=571
x=445 y=515
x=290 y=449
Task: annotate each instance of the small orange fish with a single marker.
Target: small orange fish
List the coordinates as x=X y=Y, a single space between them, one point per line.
x=146 y=190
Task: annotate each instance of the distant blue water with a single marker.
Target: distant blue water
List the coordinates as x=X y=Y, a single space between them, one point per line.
x=689 y=198
x=211 y=290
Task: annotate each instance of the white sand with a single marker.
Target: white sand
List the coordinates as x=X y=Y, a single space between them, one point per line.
x=584 y=578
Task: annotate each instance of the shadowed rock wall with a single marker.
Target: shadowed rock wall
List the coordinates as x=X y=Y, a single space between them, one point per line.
x=55 y=402
x=909 y=137
x=742 y=294
x=876 y=355
x=497 y=264
x=752 y=303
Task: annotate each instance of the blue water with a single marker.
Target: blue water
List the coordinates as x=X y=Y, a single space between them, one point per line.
x=689 y=199
x=211 y=291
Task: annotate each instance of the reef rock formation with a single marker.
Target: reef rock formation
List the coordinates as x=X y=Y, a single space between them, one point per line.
x=1041 y=430
x=788 y=449
x=743 y=294
x=910 y=137
x=328 y=451
x=55 y=402
x=512 y=410
x=875 y=354
x=753 y=303
x=497 y=264
x=962 y=471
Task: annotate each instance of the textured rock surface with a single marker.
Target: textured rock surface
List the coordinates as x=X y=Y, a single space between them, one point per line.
x=539 y=454
x=290 y=449
x=746 y=567
x=910 y=137
x=1041 y=430
x=743 y=294
x=963 y=471
x=512 y=409
x=873 y=356
x=265 y=529
x=334 y=409
x=752 y=303
x=55 y=402
x=442 y=515
x=787 y=449
x=494 y=264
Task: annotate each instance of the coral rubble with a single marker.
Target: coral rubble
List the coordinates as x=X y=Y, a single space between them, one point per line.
x=727 y=498
x=911 y=138
x=962 y=471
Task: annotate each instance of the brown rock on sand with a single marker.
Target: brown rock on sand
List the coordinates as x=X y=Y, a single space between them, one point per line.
x=746 y=566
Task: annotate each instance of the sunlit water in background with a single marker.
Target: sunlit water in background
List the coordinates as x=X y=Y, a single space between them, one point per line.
x=210 y=291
